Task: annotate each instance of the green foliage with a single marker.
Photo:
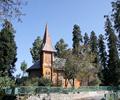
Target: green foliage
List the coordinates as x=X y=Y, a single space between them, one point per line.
x=93 y=42
x=113 y=70
x=82 y=67
x=102 y=58
x=116 y=14
x=61 y=48
x=36 y=49
x=6 y=81
x=25 y=81
x=31 y=82
x=71 y=67
x=86 y=39
x=8 y=50
x=77 y=38
x=23 y=67
x=102 y=51
x=116 y=18
x=111 y=73
x=93 y=46
x=88 y=70
x=44 y=82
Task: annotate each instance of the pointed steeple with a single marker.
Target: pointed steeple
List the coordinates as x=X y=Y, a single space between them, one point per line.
x=47 y=44
x=45 y=34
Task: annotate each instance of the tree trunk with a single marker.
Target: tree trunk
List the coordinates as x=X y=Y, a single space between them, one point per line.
x=65 y=82
x=73 y=83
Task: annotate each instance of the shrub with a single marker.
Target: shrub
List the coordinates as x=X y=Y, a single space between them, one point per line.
x=6 y=81
x=44 y=82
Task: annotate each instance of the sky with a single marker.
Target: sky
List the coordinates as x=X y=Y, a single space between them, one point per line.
x=60 y=15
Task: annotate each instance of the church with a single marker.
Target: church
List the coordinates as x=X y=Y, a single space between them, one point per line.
x=49 y=66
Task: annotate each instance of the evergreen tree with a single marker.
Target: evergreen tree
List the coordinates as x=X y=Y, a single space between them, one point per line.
x=77 y=38
x=113 y=59
x=23 y=67
x=102 y=51
x=116 y=18
x=61 y=48
x=102 y=74
x=8 y=49
x=86 y=39
x=116 y=15
x=36 y=49
x=93 y=42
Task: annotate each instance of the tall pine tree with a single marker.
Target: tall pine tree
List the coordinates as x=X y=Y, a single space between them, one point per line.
x=93 y=42
x=77 y=38
x=102 y=74
x=116 y=18
x=116 y=14
x=86 y=39
x=36 y=49
x=102 y=51
x=61 y=48
x=8 y=49
x=93 y=46
x=113 y=59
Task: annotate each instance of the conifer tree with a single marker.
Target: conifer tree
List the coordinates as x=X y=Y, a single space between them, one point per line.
x=102 y=60
x=113 y=59
x=102 y=51
x=8 y=50
x=86 y=39
x=61 y=48
x=77 y=38
x=93 y=42
x=36 y=49
x=116 y=18
x=116 y=14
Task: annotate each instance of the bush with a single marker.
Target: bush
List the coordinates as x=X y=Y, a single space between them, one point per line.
x=6 y=81
x=44 y=82
x=34 y=82
x=31 y=82
x=25 y=81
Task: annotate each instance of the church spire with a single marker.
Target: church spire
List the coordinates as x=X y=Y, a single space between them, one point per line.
x=47 y=44
x=46 y=34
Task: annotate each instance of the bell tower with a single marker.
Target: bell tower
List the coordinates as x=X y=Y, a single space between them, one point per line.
x=47 y=55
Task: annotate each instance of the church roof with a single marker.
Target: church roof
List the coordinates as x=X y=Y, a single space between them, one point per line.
x=47 y=43
x=58 y=64
x=35 y=66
